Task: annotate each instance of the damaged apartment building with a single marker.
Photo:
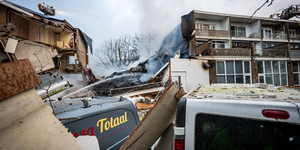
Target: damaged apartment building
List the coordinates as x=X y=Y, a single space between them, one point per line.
x=238 y=49
x=49 y=44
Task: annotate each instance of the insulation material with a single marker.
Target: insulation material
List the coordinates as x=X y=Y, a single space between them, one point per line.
x=11 y=45
x=40 y=55
x=156 y=122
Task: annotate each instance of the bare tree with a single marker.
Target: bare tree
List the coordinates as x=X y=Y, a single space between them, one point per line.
x=146 y=43
x=117 y=53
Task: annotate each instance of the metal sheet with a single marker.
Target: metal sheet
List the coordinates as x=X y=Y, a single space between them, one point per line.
x=16 y=77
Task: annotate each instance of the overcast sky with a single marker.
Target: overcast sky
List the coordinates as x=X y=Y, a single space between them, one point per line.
x=103 y=19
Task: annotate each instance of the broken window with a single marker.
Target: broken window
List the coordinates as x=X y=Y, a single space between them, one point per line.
x=272 y=72
x=233 y=72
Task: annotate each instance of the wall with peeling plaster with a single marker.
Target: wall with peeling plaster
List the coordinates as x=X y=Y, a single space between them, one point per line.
x=28 y=49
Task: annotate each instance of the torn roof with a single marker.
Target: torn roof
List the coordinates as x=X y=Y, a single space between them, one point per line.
x=37 y=16
x=87 y=40
x=46 y=19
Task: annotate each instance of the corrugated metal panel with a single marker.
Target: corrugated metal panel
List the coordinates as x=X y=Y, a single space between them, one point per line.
x=16 y=77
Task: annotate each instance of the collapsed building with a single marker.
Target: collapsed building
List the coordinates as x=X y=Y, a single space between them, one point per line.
x=49 y=44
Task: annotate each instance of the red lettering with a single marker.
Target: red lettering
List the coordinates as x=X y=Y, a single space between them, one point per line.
x=88 y=131
x=82 y=132
x=75 y=134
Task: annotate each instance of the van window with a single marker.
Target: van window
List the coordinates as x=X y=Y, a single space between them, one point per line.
x=221 y=132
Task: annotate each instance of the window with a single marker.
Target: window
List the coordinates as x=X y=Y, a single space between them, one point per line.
x=238 y=31
x=292 y=33
x=215 y=132
x=208 y=27
x=272 y=72
x=71 y=59
x=296 y=72
x=218 y=44
x=267 y=33
x=233 y=72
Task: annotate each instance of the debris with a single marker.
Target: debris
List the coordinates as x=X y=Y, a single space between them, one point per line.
x=140 y=106
x=261 y=85
x=156 y=121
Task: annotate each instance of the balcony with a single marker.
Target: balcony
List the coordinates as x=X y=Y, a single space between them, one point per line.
x=295 y=53
x=272 y=53
x=242 y=34
x=214 y=33
x=276 y=36
x=231 y=52
x=294 y=37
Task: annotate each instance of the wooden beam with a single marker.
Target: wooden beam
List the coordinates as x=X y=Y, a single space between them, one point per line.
x=156 y=122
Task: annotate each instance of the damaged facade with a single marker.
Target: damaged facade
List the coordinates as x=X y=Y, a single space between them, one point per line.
x=50 y=44
x=236 y=49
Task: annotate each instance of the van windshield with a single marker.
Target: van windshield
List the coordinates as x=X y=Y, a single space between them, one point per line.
x=221 y=132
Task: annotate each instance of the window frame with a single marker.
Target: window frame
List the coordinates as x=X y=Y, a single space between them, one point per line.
x=244 y=74
x=297 y=72
x=272 y=73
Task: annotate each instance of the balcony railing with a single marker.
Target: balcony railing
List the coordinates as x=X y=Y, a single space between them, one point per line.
x=276 y=36
x=242 y=34
x=231 y=52
x=216 y=33
x=295 y=37
x=295 y=53
x=274 y=53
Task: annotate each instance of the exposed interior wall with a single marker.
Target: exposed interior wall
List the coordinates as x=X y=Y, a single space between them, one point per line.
x=65 y=37
x=81 y=50
x=34 y=34
x=189 y=72
x=28 y=123
x=49 y=36
x=21 y=25
x=42 y=34
x=2 y=17
x=40 y=55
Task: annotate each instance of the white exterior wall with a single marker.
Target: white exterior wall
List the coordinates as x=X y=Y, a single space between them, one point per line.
x=255 y=27
x=225 y=24
x=190 y=71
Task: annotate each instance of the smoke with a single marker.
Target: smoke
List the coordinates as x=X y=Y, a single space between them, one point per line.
x=70 y=12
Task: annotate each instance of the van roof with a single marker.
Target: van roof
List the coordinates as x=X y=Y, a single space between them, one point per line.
x=246 y=91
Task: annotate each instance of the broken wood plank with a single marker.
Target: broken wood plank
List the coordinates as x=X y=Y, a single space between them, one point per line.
x=143 y=105
x=16 y=77
x=118 y=91
x=141 y=92
x=156 y=121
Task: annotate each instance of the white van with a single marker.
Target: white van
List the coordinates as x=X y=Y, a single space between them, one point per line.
x=238 y=117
